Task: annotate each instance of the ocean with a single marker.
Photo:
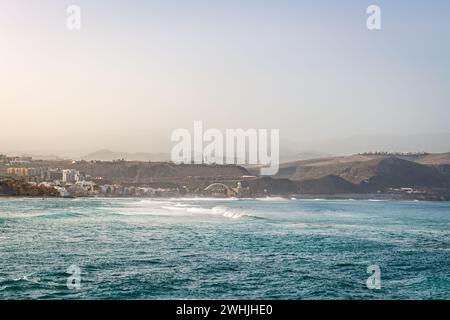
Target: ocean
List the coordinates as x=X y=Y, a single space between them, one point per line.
x=222 y=249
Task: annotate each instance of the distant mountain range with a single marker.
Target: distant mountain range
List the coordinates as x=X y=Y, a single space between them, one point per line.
x=108 y=155
x=432 y=143
x=301 y=149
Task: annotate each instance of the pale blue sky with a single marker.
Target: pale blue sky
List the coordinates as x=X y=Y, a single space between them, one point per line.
x=139 y=69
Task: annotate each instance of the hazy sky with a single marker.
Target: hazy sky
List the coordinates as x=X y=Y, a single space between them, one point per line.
x=139 y=69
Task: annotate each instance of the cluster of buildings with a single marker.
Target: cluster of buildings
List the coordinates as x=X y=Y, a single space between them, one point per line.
x=406 y=190
x=71 y=182
x=118 y=190
x=68 y=182
x=40 y=174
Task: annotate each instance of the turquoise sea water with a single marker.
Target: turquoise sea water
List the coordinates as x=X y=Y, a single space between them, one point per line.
x=218 y=249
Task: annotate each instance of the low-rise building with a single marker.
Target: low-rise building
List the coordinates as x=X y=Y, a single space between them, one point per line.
x=24 y=172
x=70 y=175
x=54 y=175
x=63 y=192
x=82 y=189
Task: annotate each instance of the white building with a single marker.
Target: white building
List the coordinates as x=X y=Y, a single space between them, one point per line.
x=86 y=185
x=70 y=175
x=62 y=191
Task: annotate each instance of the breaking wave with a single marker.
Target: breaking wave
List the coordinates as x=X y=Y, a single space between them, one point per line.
x=187 y=208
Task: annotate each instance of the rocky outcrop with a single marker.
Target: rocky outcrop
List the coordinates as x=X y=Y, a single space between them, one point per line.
x=12 y=187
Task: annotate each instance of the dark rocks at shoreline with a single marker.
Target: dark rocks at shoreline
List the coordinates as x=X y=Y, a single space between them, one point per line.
x=12 y=187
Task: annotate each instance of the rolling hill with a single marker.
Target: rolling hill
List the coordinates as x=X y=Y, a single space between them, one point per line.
x=372 y=172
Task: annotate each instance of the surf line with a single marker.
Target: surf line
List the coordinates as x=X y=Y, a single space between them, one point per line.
x=187 y=310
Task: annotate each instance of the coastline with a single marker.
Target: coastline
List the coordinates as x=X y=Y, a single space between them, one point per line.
x=349 y=197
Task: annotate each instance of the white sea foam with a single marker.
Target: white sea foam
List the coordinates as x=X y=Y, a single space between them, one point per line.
x=26 y=278
x=229 y=212
x=174 y=208
x=198 y=210
x=219 y=211
x=204 y=199
x=272 y=199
